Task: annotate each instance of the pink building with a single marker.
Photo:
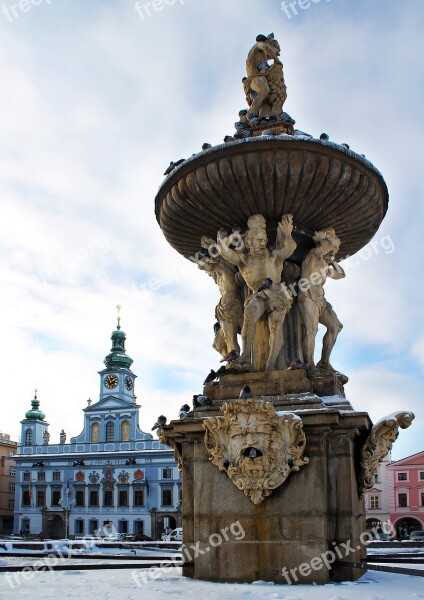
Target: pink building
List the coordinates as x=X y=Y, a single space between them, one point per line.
x=407 y=501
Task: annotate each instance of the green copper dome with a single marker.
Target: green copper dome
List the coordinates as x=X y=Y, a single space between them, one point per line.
x=118 y=357
x=34 y=413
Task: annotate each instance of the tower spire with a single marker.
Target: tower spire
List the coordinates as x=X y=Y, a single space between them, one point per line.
x=118 y=308
x=118 y=357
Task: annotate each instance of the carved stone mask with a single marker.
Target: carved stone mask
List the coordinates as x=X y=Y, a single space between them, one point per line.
x=255 y=446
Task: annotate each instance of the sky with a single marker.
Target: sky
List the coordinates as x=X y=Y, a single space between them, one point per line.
x=98 y=96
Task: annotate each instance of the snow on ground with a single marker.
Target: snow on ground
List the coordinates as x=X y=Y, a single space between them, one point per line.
x=115 y=585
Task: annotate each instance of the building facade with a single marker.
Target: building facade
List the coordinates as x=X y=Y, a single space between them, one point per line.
x=112 y=476
x=407 y=500
x=378 y=498
x=7 y=482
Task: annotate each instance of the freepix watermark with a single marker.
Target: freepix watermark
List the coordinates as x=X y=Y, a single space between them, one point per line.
x=290 y=8
x=338 y=552
x=13 y=11
x=190 y=552
x=148 y=9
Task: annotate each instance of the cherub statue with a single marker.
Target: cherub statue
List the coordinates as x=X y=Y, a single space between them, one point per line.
x=313 y=307
x=261 y=269
x=46 y=436
x=62 y=437
x=229 y=310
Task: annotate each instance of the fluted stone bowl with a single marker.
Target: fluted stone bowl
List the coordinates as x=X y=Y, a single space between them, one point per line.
x=322 y=184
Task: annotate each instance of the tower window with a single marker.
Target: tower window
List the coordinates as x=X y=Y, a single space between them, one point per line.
x=125 y=431
x=110 y=430
x=28 y=437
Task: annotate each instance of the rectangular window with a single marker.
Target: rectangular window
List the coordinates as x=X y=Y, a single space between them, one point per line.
x=421 y=475
x=108 y=498
x=11 y=505
x=11 y=488
x=26 y=498
x=123 y=498
x=422 y=498
x=94 y=525
x=123 y=526
x=402 y=500
x=56 y=475
x=138 y=497
x=376 y=477
x=374 y=502
x=27 y=476
x=402 y=476
x=41 y=476
x=12 y=471
x=167 y=497
x=79 y=498
x=166 y=473
x=41 y=498
x=79 y=527
x=56 y=496
x=94 y=498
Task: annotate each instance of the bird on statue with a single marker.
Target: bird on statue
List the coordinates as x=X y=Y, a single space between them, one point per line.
x=200 y=400
x=267 y=283
x=216 y=327
x=229 y=138
x=231 y=356
x=245 y=392
x=210 y=377
x=221 y=371
x=172 y=166
x=160 y=422
x=205 y=146
x=184 y=410
x=324 y=137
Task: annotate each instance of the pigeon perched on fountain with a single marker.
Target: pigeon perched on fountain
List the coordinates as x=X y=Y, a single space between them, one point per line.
x=205 y=146
x=184 y=410
x=160 y=422
x=200 y=400
x=172 y=166
x=245 y=392
x=231 y=356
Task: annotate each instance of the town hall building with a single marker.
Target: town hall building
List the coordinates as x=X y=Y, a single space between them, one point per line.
x=112 y=476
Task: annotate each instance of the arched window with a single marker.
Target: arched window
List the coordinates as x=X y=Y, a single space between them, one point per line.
x=125 y=431
x=28 y=437
x=110 y=432
x=95 y=433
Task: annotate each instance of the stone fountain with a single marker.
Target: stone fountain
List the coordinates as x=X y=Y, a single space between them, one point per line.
x=272 y=444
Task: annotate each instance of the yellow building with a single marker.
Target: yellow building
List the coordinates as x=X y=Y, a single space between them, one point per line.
x=7 y=482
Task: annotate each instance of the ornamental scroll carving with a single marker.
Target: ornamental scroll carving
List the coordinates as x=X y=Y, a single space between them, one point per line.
x=172 y=444
x=379 y=442
x=255 y=446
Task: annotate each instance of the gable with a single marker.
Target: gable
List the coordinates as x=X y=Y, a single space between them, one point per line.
x=414 y=460
x=110 y=403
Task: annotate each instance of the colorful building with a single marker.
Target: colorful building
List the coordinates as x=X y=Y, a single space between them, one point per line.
x=407 y=499
x=378 y=498
x=7 y=482
x=112 y=476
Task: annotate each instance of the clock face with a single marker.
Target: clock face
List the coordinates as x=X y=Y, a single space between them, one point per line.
x=128 y=383
x=111 y=381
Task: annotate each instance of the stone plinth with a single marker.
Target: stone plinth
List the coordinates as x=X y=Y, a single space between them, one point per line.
x=315 y=510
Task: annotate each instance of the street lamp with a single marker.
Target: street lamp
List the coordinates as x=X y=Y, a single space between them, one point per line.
x=67 y=504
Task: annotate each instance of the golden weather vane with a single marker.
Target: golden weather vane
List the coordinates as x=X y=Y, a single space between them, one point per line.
x=118 y=308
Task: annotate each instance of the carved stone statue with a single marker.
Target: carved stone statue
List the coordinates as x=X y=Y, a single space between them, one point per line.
x=46 y=436
x=62 y=437
x=313 y=307
x=379 y=442
x=264 y=86
x=261 y=269
x=229 y=311
x=254 y=446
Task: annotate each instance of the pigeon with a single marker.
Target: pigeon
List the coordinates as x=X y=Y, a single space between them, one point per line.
x=204 y=253
x=199 y=400
x=216 y=327
x=243 y=133
x=231 y=356
x=324 y=137
x=245 y=392
x=172 y=166
x=183 y=411
x=287 y=118
x=268 y=132
x=159 y=423
x=346 y=146
x=299 y=132
x=253 y=453
x=221 y=371
x=228 y=138
x=205 y=146
x=210 y=377
x=265 y=284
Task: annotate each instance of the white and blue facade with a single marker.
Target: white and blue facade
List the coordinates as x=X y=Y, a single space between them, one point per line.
x=111 y=475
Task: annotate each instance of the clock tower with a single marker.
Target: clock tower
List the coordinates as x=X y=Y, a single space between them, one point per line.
x=117 y=379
